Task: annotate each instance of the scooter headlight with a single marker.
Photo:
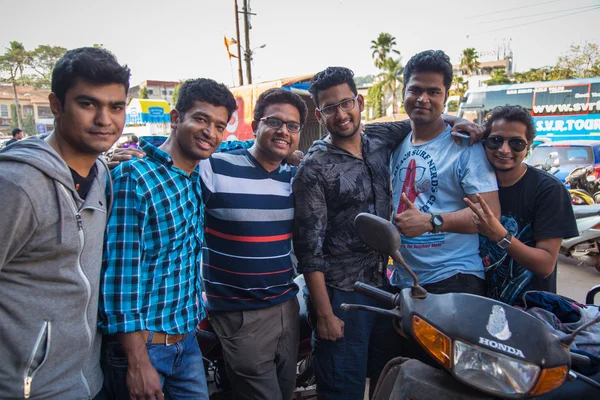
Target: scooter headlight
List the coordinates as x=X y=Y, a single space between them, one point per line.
x=493 y=372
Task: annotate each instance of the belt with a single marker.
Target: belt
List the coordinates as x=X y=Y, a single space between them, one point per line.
x=163 y=338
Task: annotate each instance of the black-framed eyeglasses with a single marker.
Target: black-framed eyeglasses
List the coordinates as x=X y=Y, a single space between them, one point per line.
x=495 y=142
x=276 y=123
x=345 y=105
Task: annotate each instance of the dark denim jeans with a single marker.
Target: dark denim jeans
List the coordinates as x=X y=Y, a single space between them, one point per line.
x=341 y=367
x=179 y=366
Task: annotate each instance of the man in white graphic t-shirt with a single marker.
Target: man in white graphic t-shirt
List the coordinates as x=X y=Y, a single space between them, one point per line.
x=431 y=175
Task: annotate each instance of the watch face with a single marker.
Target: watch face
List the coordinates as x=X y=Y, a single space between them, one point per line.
x=504 y=243
x=438 y=220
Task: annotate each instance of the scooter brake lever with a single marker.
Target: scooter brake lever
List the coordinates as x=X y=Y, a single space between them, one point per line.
x=394 y=313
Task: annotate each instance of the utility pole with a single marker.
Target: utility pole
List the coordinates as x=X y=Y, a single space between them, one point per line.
x=248 y=52
x=239 y=44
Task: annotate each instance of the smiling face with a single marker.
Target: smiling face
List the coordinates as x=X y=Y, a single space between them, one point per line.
x=504 y=158
x=199 y=131
x=91 y=118
x=343 y=124
x=277 y=144
x=424 y=97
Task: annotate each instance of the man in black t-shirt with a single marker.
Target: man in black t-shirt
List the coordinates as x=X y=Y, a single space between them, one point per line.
x=520 y=251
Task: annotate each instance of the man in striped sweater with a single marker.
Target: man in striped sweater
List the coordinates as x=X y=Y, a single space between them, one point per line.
x=247 y=267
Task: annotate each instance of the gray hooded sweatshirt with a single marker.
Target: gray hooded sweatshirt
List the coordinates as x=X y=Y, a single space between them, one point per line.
x=50 y=258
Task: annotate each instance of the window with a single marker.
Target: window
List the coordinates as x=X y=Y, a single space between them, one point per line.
x=27 y=110
x=170 y=92
x=150 y=92
x=45 y=112
x=3 y=110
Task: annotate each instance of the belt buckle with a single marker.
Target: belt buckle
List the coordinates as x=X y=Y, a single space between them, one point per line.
x=169 y=343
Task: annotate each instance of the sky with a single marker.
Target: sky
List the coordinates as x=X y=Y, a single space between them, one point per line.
x=179 y=39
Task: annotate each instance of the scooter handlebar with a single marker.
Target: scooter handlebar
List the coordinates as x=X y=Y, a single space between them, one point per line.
x=387 y=298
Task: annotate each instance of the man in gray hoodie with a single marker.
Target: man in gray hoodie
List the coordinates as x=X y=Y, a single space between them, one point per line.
x=52 y=233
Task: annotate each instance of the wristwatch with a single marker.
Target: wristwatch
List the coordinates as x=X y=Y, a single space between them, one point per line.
x=505 y=242
x=437 y=221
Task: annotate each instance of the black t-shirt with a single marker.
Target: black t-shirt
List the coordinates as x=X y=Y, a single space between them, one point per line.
x=536 y=207
x=83 y=185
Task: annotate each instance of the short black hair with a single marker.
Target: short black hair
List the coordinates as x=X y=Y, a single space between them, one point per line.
x=92 y=64
x=278 y=96
x=332 y=76
x=429 y=61
x=207 y=91
x=510 y=113
x=16 y=131
x=134 y=139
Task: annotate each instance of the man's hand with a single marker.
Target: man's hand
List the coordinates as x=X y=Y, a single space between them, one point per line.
x=475 y=132
x=330 y=328
x=143 y=382
x=485 y=221
x=295 y=158
x=120 y=155
x=412 y=222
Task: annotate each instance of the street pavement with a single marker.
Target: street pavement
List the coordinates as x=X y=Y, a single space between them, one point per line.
x=574 y=281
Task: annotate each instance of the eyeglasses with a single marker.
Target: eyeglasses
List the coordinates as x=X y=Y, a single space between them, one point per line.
x=495 y=142
x=276 y=123
x=345 y=105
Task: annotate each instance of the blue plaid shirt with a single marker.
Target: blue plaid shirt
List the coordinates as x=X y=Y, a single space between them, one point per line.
x=153 y=252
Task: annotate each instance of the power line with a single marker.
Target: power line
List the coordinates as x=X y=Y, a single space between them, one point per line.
x=536 y=15
x=535 y=22
x=512 y=9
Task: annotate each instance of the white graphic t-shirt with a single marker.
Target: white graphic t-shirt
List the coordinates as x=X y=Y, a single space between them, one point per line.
x=436 y=176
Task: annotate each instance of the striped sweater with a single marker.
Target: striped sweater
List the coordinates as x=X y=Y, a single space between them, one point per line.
x=248 y=233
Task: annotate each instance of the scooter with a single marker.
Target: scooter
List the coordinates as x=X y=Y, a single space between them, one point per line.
x=219 y=387
x=484 y=348
x=585 y=248
x=584 y=185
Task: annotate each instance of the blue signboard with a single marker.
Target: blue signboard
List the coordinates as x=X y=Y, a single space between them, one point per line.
x=41 y=128
x=568 y=127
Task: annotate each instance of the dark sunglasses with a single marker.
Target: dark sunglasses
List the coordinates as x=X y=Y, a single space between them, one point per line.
x=495 y=142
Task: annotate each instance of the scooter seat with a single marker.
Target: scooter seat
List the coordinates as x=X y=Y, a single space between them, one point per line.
x=586 y=211
x=305 y=328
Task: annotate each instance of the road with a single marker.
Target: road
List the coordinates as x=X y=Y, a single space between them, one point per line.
x=574 y=281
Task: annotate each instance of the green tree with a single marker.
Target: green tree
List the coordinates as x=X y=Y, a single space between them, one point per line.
x=391 y=80
x=533 y=75
x=499 y=77
x=14 y=120
x=374 y=96
x=460 y=87
x=469 y=61
x=42 y=62
x=581 y=61
x=29 y=128
x=12 y=67
x=363 y=80
x=382 y=48
x=175 y=95
x=143 y=92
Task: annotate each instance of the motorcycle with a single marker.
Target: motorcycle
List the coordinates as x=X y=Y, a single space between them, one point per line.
x=584 y=185
x=219 y=387
x=585 y=248
x=493 y=350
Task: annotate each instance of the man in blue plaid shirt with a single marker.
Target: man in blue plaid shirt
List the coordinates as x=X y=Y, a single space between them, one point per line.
x=151 y=286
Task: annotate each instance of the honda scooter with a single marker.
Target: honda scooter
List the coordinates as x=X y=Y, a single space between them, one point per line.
x=585 y=248
x=483 y=348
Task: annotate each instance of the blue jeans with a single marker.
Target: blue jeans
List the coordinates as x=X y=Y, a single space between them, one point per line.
x=342 y=366
x=179 y=367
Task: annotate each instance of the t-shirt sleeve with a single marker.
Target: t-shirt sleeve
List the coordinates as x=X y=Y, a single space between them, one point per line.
x=391 y=133
x=475 y=172
x=553 y=212
x=206 y=179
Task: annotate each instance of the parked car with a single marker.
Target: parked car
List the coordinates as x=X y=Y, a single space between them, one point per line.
x=571 y=154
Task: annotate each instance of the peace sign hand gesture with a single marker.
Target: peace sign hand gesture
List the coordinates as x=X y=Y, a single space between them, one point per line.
x=485 y=221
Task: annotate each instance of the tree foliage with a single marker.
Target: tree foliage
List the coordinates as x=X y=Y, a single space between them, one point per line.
x=382 y=47
x=363 y=80
x=29 y=128
x=42 y=61
x=499 y=77
x=460 y=87
x=374 y=99
x=391 y=80
x=12 y=70
x=581 y=61
x=143 y=92
x=469 y=61
x=175 y=95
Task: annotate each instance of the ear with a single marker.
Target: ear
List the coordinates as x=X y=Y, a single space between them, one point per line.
x=174 y=115
x=319 y=117
x=361 y=102
x=254 y=127
x=55 y=105
x=446 y=97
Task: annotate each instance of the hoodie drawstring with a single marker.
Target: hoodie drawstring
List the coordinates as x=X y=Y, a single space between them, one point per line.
x=60 y=212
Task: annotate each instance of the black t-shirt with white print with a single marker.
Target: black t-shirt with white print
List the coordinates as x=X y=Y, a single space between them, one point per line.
x=537 y=207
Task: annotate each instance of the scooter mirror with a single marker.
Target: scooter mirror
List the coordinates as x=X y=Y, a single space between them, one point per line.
x=377 y=233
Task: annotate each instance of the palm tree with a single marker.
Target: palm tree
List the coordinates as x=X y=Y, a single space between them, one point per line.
x=391 y=79
x=12 y=65
x=460 y=87
x=469 y=62
x=382 y=47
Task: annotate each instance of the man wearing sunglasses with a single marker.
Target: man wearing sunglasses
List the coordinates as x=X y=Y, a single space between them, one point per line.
x=520 y=250
x=247 y=268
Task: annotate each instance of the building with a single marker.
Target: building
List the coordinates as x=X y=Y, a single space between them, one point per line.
x=32 y=101
x=157 y=90
x=484 y=72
